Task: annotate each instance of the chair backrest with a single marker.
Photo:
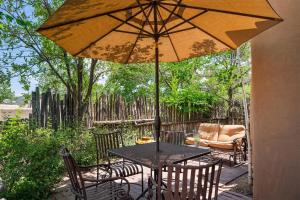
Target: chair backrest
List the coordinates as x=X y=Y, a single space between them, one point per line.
x=106 y=141
x=173 y=137
x=77 y=183
x=191 y=182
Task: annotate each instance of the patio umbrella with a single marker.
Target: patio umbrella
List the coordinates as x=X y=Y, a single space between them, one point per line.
x=139 y=31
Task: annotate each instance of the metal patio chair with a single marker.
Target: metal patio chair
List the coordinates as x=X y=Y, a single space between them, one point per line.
x=92 y=189
x=196 y=182
x=124 y=168
x=173 y=137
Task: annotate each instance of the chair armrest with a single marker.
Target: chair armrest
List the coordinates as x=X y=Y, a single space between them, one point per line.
x=238 y=140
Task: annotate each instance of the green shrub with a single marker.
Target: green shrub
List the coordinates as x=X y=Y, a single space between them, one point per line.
x=30 y=164
x=80 y=142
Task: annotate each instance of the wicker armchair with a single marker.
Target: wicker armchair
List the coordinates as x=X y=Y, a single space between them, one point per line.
x=196 y=182
x=90 y=189
x=124 y=168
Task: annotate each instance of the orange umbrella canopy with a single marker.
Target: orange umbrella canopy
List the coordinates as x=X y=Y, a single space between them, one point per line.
x=124 y=30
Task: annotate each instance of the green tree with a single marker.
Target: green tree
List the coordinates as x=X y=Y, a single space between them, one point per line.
x=197 y=84
x=183 y=87
x=5 y=87
x=27 y=54
x=130 y=81
x=225 y=74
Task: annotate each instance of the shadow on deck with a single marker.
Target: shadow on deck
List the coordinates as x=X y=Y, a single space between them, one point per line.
x=229 y=174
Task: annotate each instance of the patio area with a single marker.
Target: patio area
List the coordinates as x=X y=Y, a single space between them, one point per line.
x=200 y=97
x=228 y=181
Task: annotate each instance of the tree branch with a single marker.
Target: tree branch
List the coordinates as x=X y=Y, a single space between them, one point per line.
x=48 y=7
x=165 y=80
x=100 y=74
x=91 y=80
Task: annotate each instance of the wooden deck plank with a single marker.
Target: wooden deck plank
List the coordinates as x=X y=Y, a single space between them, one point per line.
x=63 y=192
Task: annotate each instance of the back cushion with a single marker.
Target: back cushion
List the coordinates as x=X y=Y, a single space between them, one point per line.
x=230 y=132
x=209 y=131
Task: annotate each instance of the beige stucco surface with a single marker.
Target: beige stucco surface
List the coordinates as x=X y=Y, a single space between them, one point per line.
x=275 y=107
x=12 y=111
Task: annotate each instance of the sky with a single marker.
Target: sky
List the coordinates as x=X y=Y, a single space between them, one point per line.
x=16 y=87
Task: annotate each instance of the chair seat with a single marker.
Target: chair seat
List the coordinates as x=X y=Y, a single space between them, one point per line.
x=217 y=144
x=125 y=169
x=221 y=145
x=206 y=143
x=107 y=191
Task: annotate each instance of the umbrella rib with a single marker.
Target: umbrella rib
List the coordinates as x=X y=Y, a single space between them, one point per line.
x=133 y=33
x=126 y=22
x=90 y=17
x=164 y=24
x=185 y=21
x=137 y=38
x=169 y=17
x=146 y=16
x=223 y=11
x=186 y=29
x=201 y=29
x=103 y=36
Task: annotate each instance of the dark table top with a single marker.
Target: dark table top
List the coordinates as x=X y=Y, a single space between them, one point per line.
x=146 y=154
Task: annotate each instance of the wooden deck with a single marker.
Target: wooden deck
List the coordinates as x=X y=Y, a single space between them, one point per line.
x=62 y=192
x=228 y=195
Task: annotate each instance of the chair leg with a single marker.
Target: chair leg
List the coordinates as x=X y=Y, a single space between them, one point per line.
x=98 y=173
x=245 y=150
x=231 y=158
x=142 y=179
x=234 y=157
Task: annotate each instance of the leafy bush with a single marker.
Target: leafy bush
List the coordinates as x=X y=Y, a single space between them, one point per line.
x=80 y=142
x=30 y=164
x=29 y=161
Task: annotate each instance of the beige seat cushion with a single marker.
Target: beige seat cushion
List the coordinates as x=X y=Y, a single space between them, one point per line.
x=230 y=132
x=221 y=145
x=209 y=131
x=205 y=143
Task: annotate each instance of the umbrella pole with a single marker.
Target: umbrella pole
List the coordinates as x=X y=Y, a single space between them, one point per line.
x=157 y=114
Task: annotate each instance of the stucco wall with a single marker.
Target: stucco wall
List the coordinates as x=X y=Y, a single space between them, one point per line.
x=11 y=111
x=275 y=107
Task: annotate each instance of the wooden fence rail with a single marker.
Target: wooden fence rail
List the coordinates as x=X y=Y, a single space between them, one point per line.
x=50 y=109
x=115 y=107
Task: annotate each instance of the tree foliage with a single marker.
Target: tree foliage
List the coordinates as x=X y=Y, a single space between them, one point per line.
x=5 y=87
x=197 y=84
x=30 y=162
x=27 y=54
x=130 y=81
x=194 y=84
